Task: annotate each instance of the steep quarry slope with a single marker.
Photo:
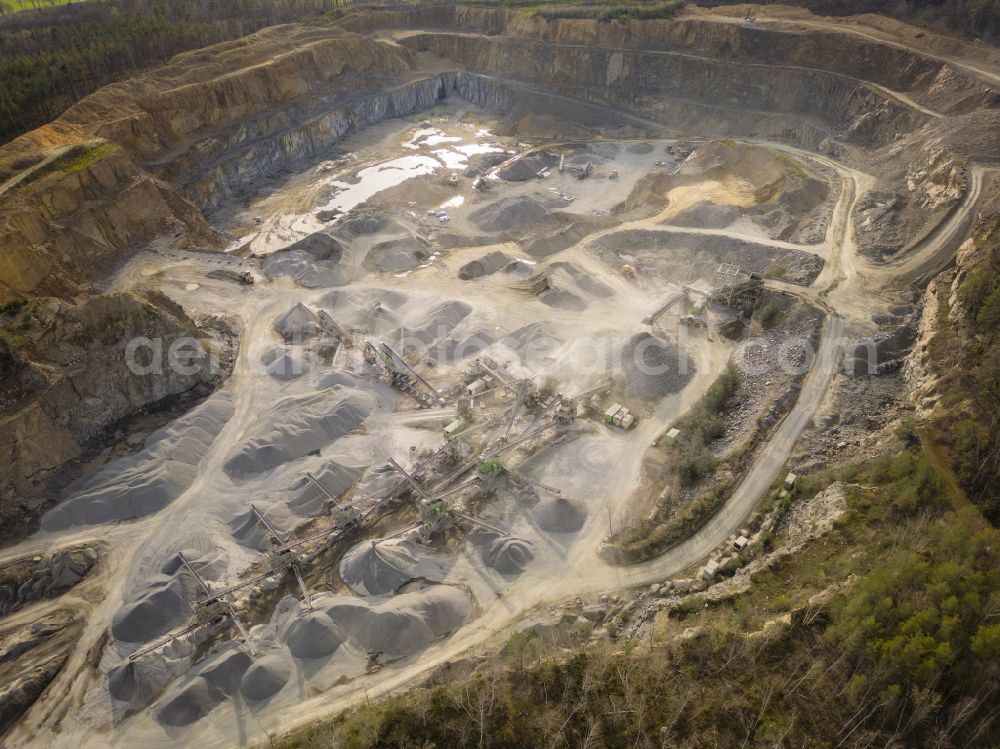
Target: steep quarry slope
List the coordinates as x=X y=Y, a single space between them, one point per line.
x=925 y=79
x=66 y=214
x=65 y=378
x=219 y=86
x=80 y=212
x=960 y=324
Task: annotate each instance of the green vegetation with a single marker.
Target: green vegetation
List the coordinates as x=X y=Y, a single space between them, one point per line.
x=966 y=351
x=71 y=161
x=977 y=18
x=770 y=313
x=793 y=165
x=13 y=307
x=603 y=12
x=13 y=6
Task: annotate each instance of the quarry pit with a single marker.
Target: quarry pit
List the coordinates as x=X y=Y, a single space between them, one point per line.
x=437 y=238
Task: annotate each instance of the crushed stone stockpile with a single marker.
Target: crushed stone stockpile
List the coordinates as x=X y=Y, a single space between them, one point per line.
x=528 y=167
x=162 y=602
x=298 y=425
x=378 y=310
x=511 y=214
x=508 y=556
x=582 y=280
x=563 y=299
x=208 y=686
x=431 y=325
x=249 y=532
x=284 y=364
x=688 y=257
x=338 y=475
x=457 y=350
x=396 y=255
x=549 y=243
x=398 y=317
x=133 y=686
x=333 y=377
x=403 y=624
x=708 y=215
x=144 y=483
x=480 y=163
x=654 y=367
x=487 y=265
x=298 y=324
x=640 y=148
x=376 y=568
x=313 y=262
x=313 y=635
x=559 y=515
x=266 y=676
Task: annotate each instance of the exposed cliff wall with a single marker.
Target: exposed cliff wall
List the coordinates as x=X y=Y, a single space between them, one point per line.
x=65 y=378
x=953 y=366
x=933 y=82
x=64 y=229
x=218 y=87
x=246 y=161
x=720 y=97
x=216 y=118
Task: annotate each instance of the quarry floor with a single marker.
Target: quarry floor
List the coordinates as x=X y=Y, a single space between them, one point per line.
x=596 y=466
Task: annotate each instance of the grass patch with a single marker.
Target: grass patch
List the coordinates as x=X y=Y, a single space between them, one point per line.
x=74 y=159
x=796 y=169
x=15 y=6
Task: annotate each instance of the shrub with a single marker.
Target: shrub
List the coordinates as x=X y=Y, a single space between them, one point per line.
x=696 y=465
x=720 y=391
x=769 y=314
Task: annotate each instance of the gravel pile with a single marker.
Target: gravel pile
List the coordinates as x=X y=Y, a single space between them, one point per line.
x=284 y=364
x=313 y=262
x=403 y=624
x=296 y=426
x=162 y=603
x=396 y=255
x=527 y=167
x=511 y=214
x=313 y=635
x=338 y=475
x=298 y=324
x=144 y=483
x=266 y=677
x=487 y=265
x=654 y=367
x=559 y=515
x=508 y=556
x=379 y=568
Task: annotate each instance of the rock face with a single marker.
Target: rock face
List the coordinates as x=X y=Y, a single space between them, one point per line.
x=67 y=227
x=893 y=67
x=622 y=77
x=30 y=658
x=36 y=578
x=69 y=379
